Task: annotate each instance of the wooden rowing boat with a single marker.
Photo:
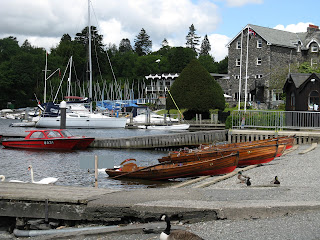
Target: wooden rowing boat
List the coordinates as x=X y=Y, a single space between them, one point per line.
x=250 y=155
x=286 y=140
x=163 y=171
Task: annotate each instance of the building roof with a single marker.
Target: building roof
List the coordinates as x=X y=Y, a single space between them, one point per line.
x=282 y=38
x=298 y=79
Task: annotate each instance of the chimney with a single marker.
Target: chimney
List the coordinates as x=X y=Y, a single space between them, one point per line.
x=312 y=28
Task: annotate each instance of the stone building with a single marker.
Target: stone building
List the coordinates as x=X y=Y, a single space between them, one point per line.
x=264 y=57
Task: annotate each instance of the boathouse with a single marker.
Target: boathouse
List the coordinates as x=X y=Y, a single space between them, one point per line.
x=302 y=92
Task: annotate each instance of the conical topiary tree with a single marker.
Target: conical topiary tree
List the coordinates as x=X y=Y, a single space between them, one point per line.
x=195 y=90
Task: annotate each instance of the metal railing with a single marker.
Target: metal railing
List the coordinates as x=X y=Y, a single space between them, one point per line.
x=275 y=119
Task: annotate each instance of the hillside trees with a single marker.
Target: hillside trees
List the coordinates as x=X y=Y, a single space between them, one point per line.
x=22 y=75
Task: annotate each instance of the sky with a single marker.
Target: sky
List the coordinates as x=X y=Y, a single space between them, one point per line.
x=43 y=22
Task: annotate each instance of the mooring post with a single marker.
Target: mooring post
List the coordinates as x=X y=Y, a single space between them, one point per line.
x=63 y=113
x=96 y=170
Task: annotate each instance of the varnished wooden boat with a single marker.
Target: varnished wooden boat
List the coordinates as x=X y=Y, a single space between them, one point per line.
x=163 y=171
x=248 y=155
x=287 y=140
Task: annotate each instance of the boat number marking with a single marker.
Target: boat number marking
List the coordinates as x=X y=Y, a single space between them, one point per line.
x=47 y=142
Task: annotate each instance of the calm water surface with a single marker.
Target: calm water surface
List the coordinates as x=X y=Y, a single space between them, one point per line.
x=65 y=165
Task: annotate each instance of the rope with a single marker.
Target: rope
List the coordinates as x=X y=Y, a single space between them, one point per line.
x=175 y=103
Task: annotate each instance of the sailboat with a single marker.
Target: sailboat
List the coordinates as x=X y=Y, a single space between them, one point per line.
x=84 y=119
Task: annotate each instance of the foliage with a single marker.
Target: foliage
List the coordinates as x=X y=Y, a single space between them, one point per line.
x=192 y=39
x=22 y=75
x=195 y=90
x=142 y=43
x=205 y=46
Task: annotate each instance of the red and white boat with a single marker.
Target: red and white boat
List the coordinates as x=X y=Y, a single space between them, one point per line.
x=55 y=139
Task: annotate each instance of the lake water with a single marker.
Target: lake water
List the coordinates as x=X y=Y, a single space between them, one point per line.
x=65 y=165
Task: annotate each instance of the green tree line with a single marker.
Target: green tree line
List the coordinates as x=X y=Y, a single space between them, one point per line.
x=22 y=67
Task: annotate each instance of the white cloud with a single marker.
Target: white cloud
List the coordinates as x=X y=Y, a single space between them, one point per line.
x=239 y=3
x=45 y=21
x=299 y=27
x=218 y=46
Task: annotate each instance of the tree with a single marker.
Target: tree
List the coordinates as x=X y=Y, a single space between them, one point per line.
x=125 y=45
x=195 y=90
x=208 y=62
x=142 y=43
x=205 y=46
x=192 y=39
x=179 y=58
x=165 y=43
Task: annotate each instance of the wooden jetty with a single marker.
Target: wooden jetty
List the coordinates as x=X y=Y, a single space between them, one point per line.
x=162 y=140
x=243 y=135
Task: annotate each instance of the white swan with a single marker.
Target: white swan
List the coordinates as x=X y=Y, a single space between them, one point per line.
x=2 y=178
x=48 y=180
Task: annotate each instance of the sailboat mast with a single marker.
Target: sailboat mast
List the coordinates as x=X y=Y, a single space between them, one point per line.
x=90 y=61
x=45 y=80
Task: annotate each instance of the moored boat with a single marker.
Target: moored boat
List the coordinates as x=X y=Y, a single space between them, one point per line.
x=52 y=139
x=163 y=171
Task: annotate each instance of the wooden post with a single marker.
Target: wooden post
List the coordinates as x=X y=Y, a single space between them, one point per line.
x=96 y=170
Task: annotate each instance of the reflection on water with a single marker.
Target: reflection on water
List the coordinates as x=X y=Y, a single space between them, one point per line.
x=66 y=165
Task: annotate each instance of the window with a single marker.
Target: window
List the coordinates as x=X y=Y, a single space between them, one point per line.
x=238 y=45
x=259 y=61
x=314 y=48
x=259 y=43
x=238 y=62
x=313 y=100
x=292 y=101
x=258 y=75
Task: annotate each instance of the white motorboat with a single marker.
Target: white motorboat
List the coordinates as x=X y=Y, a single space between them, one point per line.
x=75 y=120
x=153 y=118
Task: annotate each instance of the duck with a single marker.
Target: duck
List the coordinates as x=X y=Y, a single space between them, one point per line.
x=242 y=178
x=248 y=182
x=167 y=234
x=48 y=180
x=276 y=180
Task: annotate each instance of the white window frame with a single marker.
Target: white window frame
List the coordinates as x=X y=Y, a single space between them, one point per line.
x=259 y=43
x=238 y=62
x=314 y=48
x=238 y=45
x=259 y=61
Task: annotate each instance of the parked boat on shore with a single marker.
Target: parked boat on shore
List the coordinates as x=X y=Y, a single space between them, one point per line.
x=250 y=153
x=53 y=139
x=165 y=170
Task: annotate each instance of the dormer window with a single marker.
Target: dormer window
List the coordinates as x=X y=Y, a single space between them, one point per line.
x=314 y=48
x=259 y=43
x=238 y=45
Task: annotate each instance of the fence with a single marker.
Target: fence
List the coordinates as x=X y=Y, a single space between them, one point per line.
x=275 y=119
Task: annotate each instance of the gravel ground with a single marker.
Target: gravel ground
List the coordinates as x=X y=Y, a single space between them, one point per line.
x=299 y=177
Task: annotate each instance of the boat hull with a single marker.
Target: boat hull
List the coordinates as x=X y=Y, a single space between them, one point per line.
x=82 y=122
x=166 y=171
x=52 y=144
x=247 y=155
